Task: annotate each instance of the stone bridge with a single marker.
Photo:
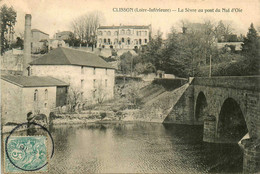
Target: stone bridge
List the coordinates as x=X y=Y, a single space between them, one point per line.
x=228 y=107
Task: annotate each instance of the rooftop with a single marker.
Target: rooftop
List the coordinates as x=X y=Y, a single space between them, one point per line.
x=33 y=81
x=69 y=56
x=64 y=33
x=36 y=30
x=125 y=27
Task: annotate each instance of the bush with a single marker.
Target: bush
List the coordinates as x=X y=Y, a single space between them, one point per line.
x=103 y=115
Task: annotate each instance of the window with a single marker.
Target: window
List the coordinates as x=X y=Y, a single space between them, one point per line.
x=108 y=40
x=145 y=33
x=45 y=105
x=100 y=33
x=140 y=41
x=108 y=33
x=145 y=40
x=106 y=83
x=128 y=41
x=105 y=40
x=115 y=33
x=106 y=71
x=123 y=40
x=82 y=70
x=29 y=70
x=35 y=96
x=94 y=83
x=82 y=83
x=105 y=32
x=116 y=41
x=94 y=71
x=128 y=32
x=123 y=32
x=46 y=94
x=140 y=33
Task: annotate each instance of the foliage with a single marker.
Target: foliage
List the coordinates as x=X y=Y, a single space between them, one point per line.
x=73 y=41
x=85 y=27
x=8 y=20
x=189 y=53
x=251 y=42
x=132 y=93
x=103 y=115
x=18 y=43
x=73 y=98
x=126 y=63
x=101 y=92
x=251 y=49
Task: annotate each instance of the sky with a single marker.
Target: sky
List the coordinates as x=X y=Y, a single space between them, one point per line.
x=51 y=16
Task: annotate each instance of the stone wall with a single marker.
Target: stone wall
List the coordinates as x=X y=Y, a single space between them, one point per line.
x=44 y=103
x=11 y=103
x=17 y=101
x=182 y=111
x=81 y=79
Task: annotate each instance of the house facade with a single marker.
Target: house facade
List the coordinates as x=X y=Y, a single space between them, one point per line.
x=88 y=75
x=63 y=35
x=22 y=94
x=55 y=43
x=123 y=37
x=39 y=41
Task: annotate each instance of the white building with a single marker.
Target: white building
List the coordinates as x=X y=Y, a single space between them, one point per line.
x=123 y=37
x=86 y=73
x=23 y=94
x=55 y=43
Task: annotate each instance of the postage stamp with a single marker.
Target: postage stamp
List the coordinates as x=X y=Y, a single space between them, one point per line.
x=26 y=153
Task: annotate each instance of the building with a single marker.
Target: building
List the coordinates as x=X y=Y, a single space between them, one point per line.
x=86 y=73
x=123 y=36
x=23 y=94
x=55 y=43
x=39 y=41
x=63 y=35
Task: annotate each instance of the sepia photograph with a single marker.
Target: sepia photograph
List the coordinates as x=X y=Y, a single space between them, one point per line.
x=130 y=86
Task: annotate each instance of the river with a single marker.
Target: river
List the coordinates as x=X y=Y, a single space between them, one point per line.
x=139 y=148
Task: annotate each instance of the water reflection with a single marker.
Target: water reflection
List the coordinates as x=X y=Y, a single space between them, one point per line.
x=139 y=147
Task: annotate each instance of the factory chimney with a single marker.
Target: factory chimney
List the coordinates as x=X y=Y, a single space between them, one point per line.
x=27 y=45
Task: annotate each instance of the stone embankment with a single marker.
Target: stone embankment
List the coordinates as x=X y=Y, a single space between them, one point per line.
x=157 y=104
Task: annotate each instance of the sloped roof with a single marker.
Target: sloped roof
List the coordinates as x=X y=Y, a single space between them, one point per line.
x=33 y=81
x=68 y=56
x=36 y=30
x=125 y=27
x=64 y=33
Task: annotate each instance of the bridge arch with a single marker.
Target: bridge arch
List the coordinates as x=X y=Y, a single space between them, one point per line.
x=201 y=105
x=231 y=124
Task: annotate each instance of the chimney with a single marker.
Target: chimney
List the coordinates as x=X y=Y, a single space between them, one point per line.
x=27 y=44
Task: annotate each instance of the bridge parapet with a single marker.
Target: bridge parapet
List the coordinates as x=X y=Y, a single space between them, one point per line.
x=235 y=82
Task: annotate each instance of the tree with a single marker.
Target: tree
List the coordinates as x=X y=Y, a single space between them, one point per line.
x=85 y=27
x=126 y=63
x=73 y=41
x=101 y=92
x=74 y=98
x=251 y=42
x=251 y=49
x=222 y=30
x=8 y=20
